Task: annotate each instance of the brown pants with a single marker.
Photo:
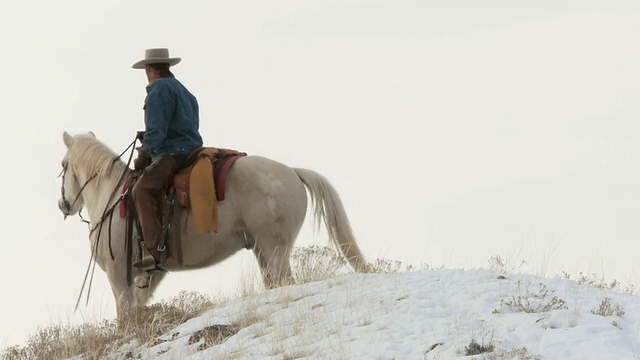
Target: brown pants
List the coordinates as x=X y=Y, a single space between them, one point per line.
x=148 y=197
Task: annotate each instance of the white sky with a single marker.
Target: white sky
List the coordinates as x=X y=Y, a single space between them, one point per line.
x=453 y=131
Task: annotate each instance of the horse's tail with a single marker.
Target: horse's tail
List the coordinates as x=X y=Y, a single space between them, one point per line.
x=328 y=207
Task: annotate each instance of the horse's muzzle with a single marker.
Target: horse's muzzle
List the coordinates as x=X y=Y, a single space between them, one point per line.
x=65 y=207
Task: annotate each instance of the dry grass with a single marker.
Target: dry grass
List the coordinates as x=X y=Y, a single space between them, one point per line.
x=251 y=315
x=314 y=263
x=608 y=308
x=212 y=335
x=475 y=349
x=539 y=301
x=64 y=341
x=599 y=282
x=520 y=354
x=384 y=266
x=151 y=321
x=94 y=341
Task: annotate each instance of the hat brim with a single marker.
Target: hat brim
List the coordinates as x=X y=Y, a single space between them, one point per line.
x=171 y=61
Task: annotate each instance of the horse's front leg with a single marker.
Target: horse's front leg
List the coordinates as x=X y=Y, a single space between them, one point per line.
x=122 y=293
x=128 y=298
x=144 y=286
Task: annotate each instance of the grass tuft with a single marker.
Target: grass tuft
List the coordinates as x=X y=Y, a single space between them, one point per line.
x=475 y=349
x=534 y=302
x=608 y=308
x=520 y=354
x=599 y=282
x=314 y=263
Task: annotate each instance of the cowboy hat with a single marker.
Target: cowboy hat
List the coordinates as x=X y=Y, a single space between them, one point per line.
x=156 y=56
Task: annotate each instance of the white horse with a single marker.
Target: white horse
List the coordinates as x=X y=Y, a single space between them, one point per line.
x=264 y=206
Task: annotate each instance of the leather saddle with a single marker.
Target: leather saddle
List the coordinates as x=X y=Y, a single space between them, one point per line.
x=201 y=182
x=198 y=185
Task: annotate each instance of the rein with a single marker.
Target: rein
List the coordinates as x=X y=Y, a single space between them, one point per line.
x=107 y=213
x=64 y=173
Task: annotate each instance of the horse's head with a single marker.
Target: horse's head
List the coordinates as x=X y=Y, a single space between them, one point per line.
x=71 y=201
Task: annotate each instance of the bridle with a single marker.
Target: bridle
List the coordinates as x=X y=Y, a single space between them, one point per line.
x=108 y=211
x=62 y=174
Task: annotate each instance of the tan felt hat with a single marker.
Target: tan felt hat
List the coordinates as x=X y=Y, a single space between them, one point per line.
x=156 y=56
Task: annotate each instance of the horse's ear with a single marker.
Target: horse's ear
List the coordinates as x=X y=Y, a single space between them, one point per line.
x=92 y=134
x=68 y=139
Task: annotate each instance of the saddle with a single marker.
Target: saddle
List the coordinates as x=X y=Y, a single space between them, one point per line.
x=201 y=182
x=199 y=185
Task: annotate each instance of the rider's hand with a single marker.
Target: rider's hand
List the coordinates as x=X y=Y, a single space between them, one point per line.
x=142 y=161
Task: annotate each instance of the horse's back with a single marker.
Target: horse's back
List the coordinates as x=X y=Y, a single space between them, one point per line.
x=265 y=192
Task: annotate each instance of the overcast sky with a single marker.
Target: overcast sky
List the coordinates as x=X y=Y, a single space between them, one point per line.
x=454 y=131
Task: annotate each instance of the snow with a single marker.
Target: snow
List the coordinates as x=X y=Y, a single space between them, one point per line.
x=426 y=314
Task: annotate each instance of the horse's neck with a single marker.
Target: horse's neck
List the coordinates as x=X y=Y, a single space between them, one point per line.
x=102 y=192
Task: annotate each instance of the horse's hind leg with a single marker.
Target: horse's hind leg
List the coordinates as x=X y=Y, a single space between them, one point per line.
x=274 y=263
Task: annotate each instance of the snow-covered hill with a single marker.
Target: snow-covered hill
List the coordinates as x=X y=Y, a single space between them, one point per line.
x=427 y=314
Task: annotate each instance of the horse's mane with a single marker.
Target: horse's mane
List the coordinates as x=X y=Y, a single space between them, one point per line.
x=94 y=157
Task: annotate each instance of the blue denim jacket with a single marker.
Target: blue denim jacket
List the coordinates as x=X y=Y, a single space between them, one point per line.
x=171 y=119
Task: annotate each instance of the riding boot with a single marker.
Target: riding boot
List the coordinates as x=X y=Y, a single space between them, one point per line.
x=148 y=196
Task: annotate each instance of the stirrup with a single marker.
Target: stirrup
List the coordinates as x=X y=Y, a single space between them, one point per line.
x=148 y=262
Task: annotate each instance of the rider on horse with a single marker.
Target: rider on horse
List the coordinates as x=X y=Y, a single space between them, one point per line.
x=171 y=133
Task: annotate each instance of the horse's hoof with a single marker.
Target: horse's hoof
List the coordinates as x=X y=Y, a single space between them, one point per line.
x=142 y=280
